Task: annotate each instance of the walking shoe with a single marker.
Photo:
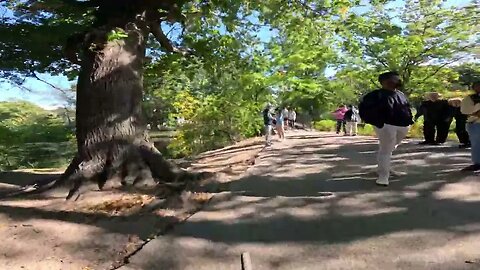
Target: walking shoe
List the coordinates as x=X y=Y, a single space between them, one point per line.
x=382 y=182
x=472 y=168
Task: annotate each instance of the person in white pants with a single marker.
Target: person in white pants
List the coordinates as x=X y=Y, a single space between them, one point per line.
x=389 y=137
x=351 y=118
x=389 y=111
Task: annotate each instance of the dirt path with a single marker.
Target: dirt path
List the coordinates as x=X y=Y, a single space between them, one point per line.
x=310 y=202
x=102 y=228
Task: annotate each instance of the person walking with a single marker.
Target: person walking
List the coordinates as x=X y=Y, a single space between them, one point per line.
x=292 y=117
x=268 y=121
x=339 y=115
x=351 y=119
x=280 y=124
x=285 y=117
x=388 y=110
x=437 y=119
x=460 y=122
x=471 y=107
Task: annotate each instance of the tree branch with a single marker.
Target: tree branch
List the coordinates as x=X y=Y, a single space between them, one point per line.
x=157 y=32
x=440 y=67
x=374 y=55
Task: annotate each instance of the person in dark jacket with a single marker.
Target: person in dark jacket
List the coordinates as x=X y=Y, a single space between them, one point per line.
x=389 y=111
x=437 y=118
x=460 y=122
x=268 y=123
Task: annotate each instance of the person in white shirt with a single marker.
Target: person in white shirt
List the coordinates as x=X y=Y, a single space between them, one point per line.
x=292 y=117
x=285 y=117
x=470 y=106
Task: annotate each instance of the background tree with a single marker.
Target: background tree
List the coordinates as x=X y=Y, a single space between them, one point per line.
x=420 y=40
x=106 y=42
x=468 y=74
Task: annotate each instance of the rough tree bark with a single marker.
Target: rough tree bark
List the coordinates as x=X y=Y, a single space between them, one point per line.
x=111 y=136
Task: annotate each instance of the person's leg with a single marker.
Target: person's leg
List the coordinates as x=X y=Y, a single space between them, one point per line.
x=339 y=126
x=462 y=134
x=401 y=134
x=443 y=128
x=386 y=144
x=474 y=132
x=349 y=128
x=429 y=131
x=268 y=133
x=344 y=123
x=355 y=128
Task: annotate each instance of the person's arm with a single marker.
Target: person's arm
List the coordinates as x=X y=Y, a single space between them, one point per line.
x=447 y=111
x=468 y=107
x=420 y=111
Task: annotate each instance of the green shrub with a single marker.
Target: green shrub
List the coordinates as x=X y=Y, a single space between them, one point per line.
x=36 y=155
x=325 y=125
x=214 y=125
x=31 y=137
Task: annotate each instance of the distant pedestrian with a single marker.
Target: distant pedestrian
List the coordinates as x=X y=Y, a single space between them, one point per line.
x=388 y=110
x=285 y=114
x=339 y=115
x=268 y=122
x=292 y=117
x=351 y=118
x=280 y=124
x=471 y=107
x=437 y=118
x=460 y=122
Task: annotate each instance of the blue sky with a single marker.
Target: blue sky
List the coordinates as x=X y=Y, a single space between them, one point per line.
x=47 y=97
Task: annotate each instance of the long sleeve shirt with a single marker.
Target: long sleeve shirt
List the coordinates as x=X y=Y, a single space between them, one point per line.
x=471 y=108
x=395 y=108
x=435 y=111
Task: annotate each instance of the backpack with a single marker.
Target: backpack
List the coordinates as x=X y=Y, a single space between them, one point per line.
x=351 y=116
x=369 y=109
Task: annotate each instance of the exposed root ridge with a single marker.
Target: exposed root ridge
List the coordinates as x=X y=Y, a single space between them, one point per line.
x=132 y=164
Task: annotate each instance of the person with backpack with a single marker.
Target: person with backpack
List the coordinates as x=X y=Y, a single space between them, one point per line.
x=268 y=122
x=437 y=116
x=351 y=119
x=460 y=122
x=292 y=117
x=388 y=110
x=471 y=107
x=339 y=115
x=285 y=117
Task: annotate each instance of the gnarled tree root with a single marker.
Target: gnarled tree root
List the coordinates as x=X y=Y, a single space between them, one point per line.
x=132 y=164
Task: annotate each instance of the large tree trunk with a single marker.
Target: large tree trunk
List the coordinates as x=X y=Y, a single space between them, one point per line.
x=111 y=133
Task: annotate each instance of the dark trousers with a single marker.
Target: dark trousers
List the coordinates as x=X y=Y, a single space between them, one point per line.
x=461 y=131
x=441 y=128
x=340 y=124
